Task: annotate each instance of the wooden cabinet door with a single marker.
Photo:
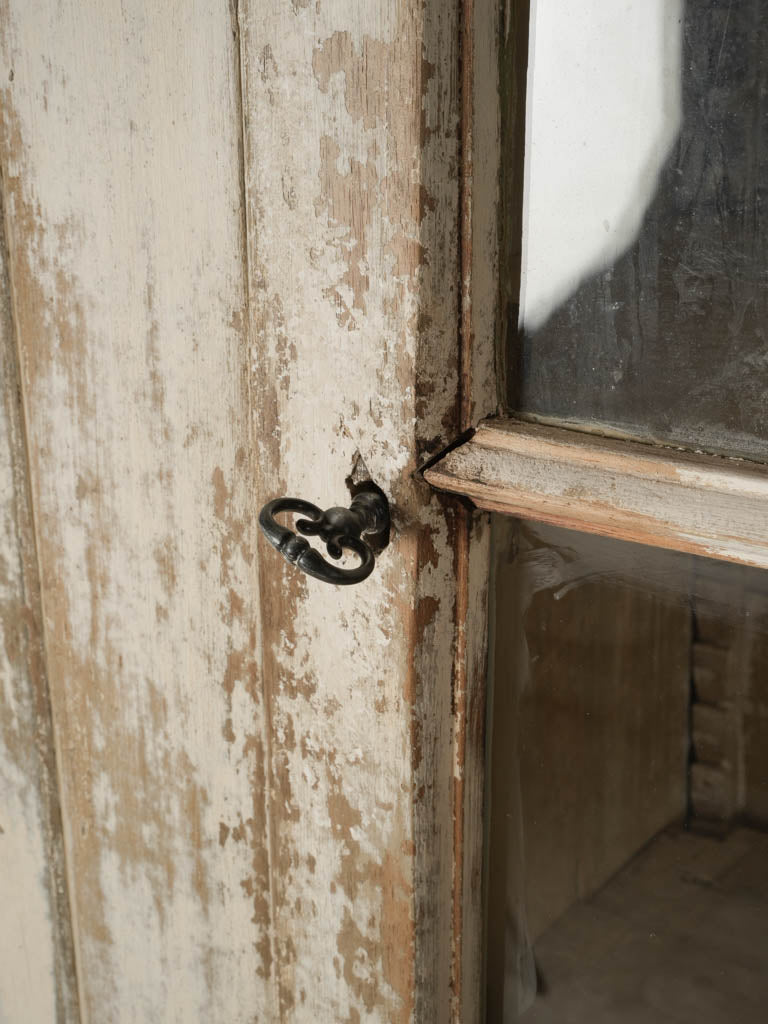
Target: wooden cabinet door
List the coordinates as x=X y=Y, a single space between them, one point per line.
x=243 y=256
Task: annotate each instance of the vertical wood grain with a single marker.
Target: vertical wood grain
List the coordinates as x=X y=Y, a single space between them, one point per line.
x=37 y=971
x=263 y=778
x=480 y=160
x=120 y=147
x=353 y=161
x=590 y=727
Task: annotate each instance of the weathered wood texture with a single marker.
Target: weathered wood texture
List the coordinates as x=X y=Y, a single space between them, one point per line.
x=234 y=243
x=352 y=179
x=121 y=157
x=659 y=496
x=37 y=976
x=668 y=343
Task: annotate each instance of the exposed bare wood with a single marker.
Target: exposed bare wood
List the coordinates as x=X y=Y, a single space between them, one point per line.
x=480 y=153
x=659 y=496
x=272 y=791
x=37 y=969
x=589 y=745
x=352 y=169
x=120 y=148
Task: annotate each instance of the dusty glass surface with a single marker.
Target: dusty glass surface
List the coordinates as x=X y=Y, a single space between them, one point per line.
x=628 y=851
x=644 y=306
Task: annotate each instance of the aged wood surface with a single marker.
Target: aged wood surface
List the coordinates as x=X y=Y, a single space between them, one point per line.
x=37 y=976
x=697 y=503
x=234 y=243
x=123 y=185
x=352 y=179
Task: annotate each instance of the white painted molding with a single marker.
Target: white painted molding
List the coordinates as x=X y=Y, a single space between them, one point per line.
x=703 y=504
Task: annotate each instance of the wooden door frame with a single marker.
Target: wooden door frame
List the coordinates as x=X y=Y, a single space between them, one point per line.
x=685 y=501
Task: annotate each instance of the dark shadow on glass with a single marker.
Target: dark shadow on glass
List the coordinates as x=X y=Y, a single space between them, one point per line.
x=671 y=343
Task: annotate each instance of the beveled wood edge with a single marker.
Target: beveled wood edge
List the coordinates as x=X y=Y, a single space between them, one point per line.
x=699 y=503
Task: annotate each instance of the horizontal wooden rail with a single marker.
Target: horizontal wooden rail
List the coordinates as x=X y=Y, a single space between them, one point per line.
x=704 y=504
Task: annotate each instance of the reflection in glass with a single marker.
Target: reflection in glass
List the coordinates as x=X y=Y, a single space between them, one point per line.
x=600 y=126
x=666 y=338
x=628 y=851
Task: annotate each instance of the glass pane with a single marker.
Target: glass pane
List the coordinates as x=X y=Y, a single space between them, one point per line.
x=644 y=296
x=628 y=851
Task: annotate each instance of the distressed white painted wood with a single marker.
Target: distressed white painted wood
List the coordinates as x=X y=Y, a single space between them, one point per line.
x=236 y=272
x=352 y=177
x=688 y=502
x=36 y=955
x=121 y=131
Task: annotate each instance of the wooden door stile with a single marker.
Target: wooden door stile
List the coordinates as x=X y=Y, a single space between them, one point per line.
x=120 y=148
x=353 y=173
x=37 y=965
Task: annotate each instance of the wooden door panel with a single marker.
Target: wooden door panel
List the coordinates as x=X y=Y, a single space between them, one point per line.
x=246 y=260
x=37 y=979
x=120 y=149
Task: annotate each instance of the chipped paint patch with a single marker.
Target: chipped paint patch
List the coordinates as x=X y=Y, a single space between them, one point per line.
x=356 y=356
